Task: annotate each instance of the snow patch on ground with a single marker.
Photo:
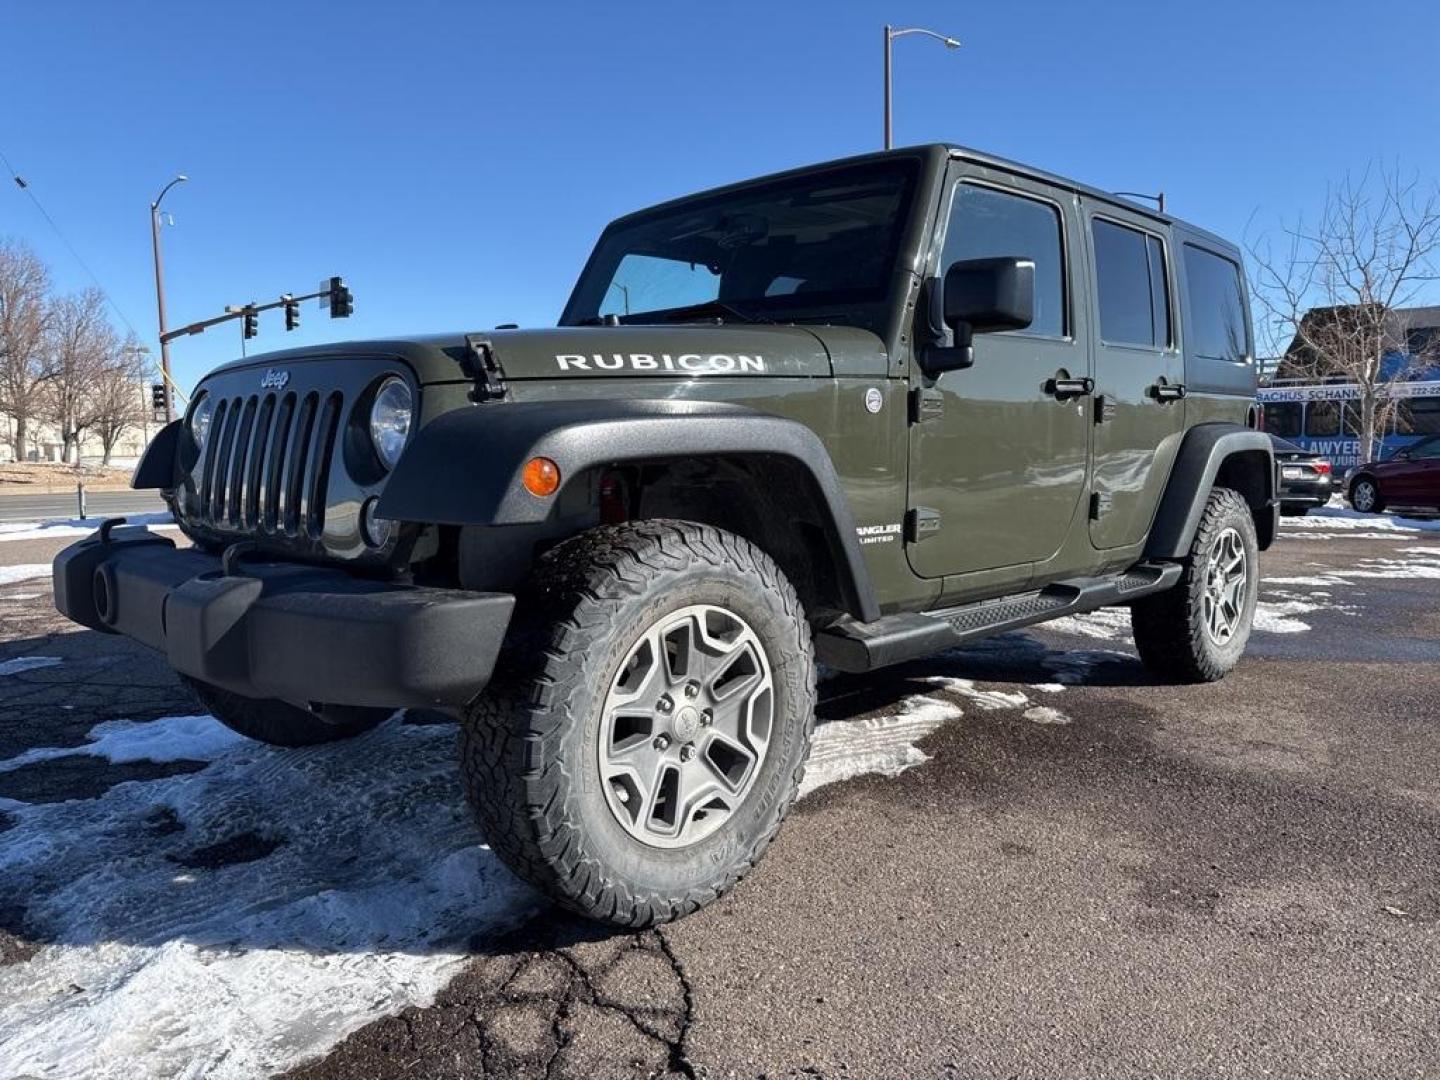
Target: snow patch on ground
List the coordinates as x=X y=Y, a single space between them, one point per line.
x=59 y=528
x=844 y=749
x=1044 y=714
x=27 y=663
x=13 y=575
x=325 y=887
x=171 y=738
x=1342 y=517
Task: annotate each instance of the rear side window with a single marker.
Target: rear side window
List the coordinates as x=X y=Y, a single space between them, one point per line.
x=1130 y=278
x=985 y=223
x=1217 y=306
x=1283 y=418
x=1322 y=418
x=1418 y=416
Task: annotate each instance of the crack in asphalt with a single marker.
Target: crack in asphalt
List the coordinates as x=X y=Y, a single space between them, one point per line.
x=535 y=1007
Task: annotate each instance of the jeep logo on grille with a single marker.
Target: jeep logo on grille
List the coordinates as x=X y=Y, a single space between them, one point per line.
x=274 y=380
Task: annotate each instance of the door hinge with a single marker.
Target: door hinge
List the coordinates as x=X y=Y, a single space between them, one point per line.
x=926 y=404
x=1100 y=503
x=1105 y=408
x=484 y=369
x=920 y=522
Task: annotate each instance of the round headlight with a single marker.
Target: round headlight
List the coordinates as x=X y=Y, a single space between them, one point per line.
x=200 y=419
x=390 y=418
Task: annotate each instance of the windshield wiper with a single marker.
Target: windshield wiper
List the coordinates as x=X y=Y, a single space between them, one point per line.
x=717 y=308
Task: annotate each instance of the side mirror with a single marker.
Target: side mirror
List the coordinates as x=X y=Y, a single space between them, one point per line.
x=978 y=296
x=989 y=295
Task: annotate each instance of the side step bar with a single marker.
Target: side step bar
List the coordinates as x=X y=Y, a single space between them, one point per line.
x=893 y=639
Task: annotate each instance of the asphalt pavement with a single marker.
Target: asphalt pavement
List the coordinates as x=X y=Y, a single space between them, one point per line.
x=1085 y=873
x=98 y=504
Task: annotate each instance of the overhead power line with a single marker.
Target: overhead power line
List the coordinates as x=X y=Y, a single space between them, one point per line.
x=24 y=186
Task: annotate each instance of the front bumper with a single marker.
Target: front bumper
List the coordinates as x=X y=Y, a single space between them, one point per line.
x=308 y=635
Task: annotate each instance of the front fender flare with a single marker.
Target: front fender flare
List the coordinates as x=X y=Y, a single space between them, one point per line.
x=1202 y=459
x=463 y=468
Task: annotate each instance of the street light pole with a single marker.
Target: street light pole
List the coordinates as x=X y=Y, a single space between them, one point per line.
x=160 y=297
x=890 y=35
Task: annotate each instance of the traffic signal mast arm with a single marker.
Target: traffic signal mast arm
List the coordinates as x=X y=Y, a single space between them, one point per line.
x=335 y=295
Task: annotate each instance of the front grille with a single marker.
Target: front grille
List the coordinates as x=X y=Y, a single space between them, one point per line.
x=266 y=468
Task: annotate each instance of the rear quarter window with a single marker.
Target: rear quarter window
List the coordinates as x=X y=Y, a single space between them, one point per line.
x=1218 y=330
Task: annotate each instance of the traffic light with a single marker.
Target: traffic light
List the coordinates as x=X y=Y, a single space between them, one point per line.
x=252 y=323
x=158 y=396
x=340 y=301
x=292 y=314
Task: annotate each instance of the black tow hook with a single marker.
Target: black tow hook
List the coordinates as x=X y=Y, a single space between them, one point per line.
x=230 y=559
x=106 y=526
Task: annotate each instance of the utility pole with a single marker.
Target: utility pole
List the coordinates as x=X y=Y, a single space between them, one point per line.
x=160 y=297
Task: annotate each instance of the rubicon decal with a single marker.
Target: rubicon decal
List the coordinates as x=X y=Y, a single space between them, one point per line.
x=687 y=363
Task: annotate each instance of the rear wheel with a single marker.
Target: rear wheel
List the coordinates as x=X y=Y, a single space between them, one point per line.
x=1365 y=496
x=647 y=725
x=279 y=723
x=1197 y=630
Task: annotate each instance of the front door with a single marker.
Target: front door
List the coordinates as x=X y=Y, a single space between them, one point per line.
x=997 y=456
x=1415 y=481
x=1139 y=373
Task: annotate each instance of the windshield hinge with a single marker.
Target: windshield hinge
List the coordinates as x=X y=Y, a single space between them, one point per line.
x=484 y=369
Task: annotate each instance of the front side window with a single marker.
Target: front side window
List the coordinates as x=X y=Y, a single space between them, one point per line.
x=985 y=223
x=1217 y=306
x=825 y=241
x=1131 y=282
x=1427 y=450
x=1283 y=418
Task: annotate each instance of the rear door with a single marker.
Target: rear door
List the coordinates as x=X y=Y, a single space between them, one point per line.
x=997 y=459
x=1139 y=372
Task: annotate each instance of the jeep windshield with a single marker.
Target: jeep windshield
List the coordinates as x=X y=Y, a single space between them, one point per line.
x=824 y=242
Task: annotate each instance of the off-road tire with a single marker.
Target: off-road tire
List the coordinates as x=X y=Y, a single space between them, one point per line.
x=279 y=723
x=528 y=744
x=1169 y=627
x=1377 y=504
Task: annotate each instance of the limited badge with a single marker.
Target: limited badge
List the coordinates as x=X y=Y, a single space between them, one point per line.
x=874 y=400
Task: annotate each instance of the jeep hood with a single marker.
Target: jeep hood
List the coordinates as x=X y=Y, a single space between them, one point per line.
x=601 y=352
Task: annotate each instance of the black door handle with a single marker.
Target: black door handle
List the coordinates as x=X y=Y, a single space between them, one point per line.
x=1168 y=391
x=1066 y=387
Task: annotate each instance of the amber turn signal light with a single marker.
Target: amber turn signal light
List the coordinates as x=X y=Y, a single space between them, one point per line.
x=541 y=476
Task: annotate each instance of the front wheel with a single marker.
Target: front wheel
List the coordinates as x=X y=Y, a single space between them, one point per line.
x=647 y=725
x=1197 y=630
x=1365 y=496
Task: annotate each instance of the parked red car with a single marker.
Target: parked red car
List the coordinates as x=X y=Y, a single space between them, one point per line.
x=1409 y=477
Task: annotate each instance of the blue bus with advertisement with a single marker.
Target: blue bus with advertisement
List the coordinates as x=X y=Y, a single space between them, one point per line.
x=1324 y=417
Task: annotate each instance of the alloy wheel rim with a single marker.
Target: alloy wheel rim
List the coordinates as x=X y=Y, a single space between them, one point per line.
x=1364 y=496
x=1227 y=575
x=685 y=726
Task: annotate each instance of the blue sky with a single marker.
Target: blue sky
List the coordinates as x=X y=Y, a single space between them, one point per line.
x=456 y=161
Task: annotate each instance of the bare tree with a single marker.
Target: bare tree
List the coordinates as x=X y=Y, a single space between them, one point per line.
x=80 y=343
x=119 y=397
x=1328 y=299
x=24 y=289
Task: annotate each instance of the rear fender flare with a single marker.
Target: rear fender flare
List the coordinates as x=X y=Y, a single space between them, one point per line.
x=464 y=467
x=1211 y=454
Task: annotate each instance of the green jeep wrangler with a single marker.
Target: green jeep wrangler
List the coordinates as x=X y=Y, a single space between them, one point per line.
x=857 y=413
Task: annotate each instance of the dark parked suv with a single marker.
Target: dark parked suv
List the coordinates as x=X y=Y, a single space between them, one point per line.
x=1410 y=477
x=861 y=413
